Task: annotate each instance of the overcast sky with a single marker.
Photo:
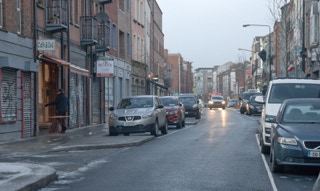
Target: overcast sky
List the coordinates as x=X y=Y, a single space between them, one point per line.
x=209 y=32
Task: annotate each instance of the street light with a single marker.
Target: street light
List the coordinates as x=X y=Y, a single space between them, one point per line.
x=269 y=52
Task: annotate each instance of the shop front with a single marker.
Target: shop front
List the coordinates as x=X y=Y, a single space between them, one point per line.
x=55 y=74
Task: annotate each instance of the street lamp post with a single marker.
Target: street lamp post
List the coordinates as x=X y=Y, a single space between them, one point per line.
x=269 y=52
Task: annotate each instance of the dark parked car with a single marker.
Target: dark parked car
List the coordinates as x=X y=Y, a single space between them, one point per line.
x=244 y=99
x=232 y=103
x=138 y=114
x=191 y=105
x=175 y=111
x=253 y=107
x=295 y=134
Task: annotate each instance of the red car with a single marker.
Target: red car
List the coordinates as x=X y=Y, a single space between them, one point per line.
x=175 y=111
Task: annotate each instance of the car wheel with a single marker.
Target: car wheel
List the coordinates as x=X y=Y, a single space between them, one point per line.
x=223 y=108
x=275 y=167
x=113 y=134
x=155 y=131
x=164 y=129
x=198 y=115
x=184 y=122
x=241 y=111
x=179 y=124
x=263 y=148
x=210 y=108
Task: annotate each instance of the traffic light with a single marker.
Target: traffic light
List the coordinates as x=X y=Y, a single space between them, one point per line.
x=263 y=55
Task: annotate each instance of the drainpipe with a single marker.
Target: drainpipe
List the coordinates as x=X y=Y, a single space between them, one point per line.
x=34 y=73
x=68 y=51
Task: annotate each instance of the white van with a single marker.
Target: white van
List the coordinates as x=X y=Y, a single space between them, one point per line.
x=279 y=90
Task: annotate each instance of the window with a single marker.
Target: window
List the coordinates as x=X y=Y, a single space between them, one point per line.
x=114 y=37
x=74 y=15
x=18 y=16
x=1 y=15
x=121 y=5
x=128 y=44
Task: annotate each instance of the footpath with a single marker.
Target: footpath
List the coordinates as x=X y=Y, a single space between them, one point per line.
x=28 y=177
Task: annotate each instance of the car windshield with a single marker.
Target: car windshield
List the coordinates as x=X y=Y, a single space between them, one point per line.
x=187 y=100
x=140 y=102
x=280 y=92
x=217 y=97
x=252 y=98
x=302 y=113
x=247 y=95
x=170 y=101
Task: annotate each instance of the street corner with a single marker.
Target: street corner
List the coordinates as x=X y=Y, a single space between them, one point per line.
x=25 y=176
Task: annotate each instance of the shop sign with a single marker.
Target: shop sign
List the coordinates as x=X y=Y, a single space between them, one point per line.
x=46 y=44
x=105 y=67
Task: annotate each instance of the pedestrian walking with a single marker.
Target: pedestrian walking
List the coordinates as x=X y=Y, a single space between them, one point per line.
x=61 y=102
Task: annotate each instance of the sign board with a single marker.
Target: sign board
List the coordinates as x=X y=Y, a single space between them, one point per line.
x=105 y=67
x=46 y=44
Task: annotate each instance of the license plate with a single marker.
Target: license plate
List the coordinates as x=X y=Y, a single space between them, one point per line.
x=129 y=123
x=314 y=154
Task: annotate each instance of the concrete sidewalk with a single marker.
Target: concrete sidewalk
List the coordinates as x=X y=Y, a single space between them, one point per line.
x=27 y=177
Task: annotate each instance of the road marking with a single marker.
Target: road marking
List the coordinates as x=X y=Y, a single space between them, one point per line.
x=274 y=187
x=182 y=129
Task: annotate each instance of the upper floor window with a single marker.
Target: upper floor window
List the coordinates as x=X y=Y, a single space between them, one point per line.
x=114 y=37
x=18 y=16
x=122 y=5
x=128 y=45
x=1 y=15
x=75 y=10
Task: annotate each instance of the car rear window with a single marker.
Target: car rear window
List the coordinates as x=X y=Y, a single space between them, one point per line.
x=280 y=92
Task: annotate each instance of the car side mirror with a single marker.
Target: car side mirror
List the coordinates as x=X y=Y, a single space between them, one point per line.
x=160 y=106
x=259 y=99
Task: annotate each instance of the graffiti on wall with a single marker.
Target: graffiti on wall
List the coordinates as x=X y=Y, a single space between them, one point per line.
x=8 y=102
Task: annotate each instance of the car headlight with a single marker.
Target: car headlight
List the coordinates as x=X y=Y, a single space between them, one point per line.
x=173 y=112
x=210 y=102
x=148 y=115
x=287 y=141
x=223 y=102
x=270 y=118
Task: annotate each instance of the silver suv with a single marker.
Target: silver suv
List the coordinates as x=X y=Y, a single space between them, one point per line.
x=138 y=114
x=278 y=91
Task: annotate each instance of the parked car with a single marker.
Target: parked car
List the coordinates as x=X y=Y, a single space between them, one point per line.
x=232 y=103
x=217 y=102
x=295 y=133
x=277 y=91
x=243 y=100
x=253 y=107
x=138 y=114
x=175 y=111
x=191 y=105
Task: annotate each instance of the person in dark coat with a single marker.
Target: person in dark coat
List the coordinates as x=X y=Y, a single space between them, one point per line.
x=61 y=102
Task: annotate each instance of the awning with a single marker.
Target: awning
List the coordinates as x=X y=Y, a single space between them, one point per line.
x=157 y=84
x=73 y=68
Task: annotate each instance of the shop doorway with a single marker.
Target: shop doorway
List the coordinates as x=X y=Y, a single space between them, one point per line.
x=48 y=85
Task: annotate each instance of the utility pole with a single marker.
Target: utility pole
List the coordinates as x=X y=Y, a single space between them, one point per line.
x=303 y=51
